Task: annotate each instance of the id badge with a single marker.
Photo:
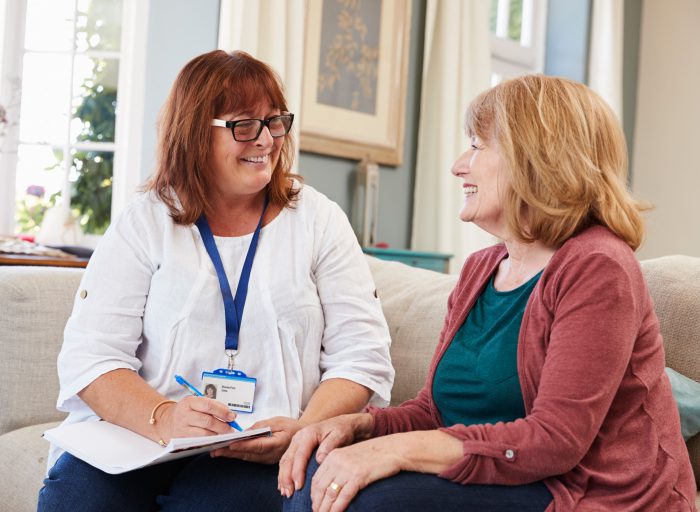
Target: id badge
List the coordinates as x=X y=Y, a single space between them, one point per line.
x=231 y=387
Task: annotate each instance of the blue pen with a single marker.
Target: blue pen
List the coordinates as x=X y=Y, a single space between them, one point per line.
x=193 y=390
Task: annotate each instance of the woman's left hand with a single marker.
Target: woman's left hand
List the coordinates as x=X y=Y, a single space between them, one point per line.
x=346 y=471
x=265 y=450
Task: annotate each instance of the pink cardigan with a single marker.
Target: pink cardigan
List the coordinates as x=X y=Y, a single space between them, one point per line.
x=601 y=427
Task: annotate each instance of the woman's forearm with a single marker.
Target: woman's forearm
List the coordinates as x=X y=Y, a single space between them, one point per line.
x=427 y=451
x=122 y=397
x=334 y=397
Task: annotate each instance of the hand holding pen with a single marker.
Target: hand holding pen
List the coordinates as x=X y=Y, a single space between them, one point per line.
x=194 y=391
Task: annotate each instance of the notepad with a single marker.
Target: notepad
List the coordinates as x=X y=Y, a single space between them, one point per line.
x=115 y=449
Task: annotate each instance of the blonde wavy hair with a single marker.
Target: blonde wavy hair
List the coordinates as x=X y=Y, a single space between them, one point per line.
x=566 y=156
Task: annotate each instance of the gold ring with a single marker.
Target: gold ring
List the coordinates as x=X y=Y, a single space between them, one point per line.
x=335 y=487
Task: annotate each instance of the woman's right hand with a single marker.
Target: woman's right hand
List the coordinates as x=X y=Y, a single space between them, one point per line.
x=194 y=416
x=323 y=436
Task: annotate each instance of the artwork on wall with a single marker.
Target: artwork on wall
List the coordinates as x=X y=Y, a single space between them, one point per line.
x=355 y=74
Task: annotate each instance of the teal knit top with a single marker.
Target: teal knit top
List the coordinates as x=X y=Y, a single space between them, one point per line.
x=476 y=381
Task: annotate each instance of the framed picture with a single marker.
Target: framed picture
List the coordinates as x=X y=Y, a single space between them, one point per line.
x=355 y=74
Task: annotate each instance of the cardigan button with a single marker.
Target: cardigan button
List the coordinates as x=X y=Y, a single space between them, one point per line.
x=510 y=454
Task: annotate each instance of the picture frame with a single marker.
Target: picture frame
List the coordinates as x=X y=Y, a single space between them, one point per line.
x=355 y=79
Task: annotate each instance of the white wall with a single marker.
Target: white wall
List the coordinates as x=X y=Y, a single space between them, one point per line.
x=667 y=134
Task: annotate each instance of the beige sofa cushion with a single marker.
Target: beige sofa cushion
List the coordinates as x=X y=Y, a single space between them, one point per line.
x=36 y=304
x=674 y=283
x=19 y=488
x=414 y=302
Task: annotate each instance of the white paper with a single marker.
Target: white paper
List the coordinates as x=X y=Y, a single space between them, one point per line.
x=115 y=449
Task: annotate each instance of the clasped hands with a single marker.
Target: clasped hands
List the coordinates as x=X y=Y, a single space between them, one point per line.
x=345 y=468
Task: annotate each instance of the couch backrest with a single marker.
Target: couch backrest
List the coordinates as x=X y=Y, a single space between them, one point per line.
x=415 y=303
x=35 y=303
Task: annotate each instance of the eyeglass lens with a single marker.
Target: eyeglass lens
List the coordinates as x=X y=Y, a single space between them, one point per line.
x=249 y=129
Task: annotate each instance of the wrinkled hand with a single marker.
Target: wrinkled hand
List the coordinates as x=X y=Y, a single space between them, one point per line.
x=265 y=450
x=353 y=468
x=195 y=416
x=326 y=435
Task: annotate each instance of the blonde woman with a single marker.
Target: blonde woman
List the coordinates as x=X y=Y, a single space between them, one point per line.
x=547 y=388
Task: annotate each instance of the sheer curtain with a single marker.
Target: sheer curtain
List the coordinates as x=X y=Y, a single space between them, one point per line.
x=272 y=31
x=605 y=57
x=456 y=67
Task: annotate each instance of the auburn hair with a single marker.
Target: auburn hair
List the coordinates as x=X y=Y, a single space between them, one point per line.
x=566 y=156
x=209 y=85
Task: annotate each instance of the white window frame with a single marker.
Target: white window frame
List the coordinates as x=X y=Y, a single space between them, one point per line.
x=129 y=122
x=513 y=58
x=12 y=16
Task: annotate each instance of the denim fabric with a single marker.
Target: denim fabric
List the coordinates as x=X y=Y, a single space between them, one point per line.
x=419 y=492
x=193 y=484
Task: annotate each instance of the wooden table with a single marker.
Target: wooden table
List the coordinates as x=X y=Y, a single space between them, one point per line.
x=46 y=261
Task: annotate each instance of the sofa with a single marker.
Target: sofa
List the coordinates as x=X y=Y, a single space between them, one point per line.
x=36 y=301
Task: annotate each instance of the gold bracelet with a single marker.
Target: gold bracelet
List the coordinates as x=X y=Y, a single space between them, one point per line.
x=152 y=419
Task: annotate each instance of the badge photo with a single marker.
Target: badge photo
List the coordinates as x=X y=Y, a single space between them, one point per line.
x=231 y=387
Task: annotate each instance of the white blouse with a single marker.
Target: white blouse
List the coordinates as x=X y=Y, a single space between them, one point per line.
x=150 y=301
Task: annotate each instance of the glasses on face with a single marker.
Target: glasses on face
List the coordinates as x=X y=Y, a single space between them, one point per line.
x=245 y=130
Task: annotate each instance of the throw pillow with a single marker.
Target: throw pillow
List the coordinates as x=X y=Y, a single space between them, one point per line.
x=687 y=394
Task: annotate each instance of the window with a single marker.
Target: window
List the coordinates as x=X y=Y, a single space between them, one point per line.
x=517 y=38
x=65 y=136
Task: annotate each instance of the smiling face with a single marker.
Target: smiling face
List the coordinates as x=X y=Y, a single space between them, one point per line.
x=244 y=168
x=484 y=183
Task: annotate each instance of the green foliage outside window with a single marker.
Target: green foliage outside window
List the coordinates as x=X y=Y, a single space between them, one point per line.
x=515 y=18
x=31 y=208
x=91 y=193
x=98 y=29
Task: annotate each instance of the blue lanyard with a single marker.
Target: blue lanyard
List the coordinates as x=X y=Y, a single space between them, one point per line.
x=233 y=308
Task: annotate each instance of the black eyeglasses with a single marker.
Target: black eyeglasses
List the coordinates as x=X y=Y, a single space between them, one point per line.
x=245 y=130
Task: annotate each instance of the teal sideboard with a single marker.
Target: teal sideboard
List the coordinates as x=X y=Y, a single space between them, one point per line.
x=429 y=260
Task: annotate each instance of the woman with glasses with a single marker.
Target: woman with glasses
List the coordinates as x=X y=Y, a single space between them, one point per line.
x=547 y=388
x=229 y=272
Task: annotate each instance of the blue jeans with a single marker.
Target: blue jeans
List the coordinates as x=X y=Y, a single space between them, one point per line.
x=192 y=484
x=419 y=492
